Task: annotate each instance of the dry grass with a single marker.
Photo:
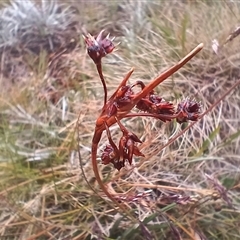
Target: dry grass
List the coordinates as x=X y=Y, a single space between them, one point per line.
x=43 y=194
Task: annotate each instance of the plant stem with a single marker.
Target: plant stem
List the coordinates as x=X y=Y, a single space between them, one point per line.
x=99 y=69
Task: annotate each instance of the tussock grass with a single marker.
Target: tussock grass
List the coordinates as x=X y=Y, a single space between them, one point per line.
x=43 y=194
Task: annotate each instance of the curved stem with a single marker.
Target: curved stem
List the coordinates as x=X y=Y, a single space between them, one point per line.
x=96 y=172
x=95 y=141
x=99 y=69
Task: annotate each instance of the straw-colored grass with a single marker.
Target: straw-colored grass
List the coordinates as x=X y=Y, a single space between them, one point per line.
x=181 y=189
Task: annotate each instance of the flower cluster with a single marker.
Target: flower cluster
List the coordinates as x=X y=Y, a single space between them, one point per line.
x=124 y=152
x=152 y=103
x=98 y=47
x=188 y=109
x=127 y=146
x=154 y=106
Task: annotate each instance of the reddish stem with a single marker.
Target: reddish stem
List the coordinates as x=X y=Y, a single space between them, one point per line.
x=99 y=69
x=96 y=172
x=95 y=142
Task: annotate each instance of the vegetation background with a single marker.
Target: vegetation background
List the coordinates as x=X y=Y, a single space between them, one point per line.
x=47 y=80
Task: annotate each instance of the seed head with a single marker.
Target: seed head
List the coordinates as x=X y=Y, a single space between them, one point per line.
x=98 y=47
x=188 y=109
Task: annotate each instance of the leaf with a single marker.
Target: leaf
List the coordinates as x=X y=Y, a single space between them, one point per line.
x=150 y=218
x=230 y=139
x=115 y=228
x=228 y=182
x=207 y=142
x=129 y=233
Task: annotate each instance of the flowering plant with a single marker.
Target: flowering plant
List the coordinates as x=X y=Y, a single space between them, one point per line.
x=122 y=103
x=125 y=99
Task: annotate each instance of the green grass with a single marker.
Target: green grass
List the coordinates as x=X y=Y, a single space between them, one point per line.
x=43 y=193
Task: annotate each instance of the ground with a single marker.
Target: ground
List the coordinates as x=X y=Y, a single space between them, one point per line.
x=51 y=96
